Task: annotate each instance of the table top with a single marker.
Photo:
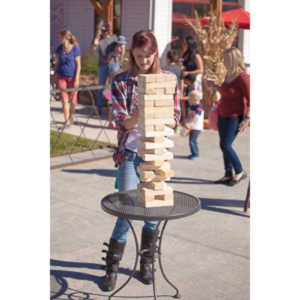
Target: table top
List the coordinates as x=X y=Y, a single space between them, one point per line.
x=125 y=205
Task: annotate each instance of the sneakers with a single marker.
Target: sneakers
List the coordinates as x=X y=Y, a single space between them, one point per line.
x=193 y=157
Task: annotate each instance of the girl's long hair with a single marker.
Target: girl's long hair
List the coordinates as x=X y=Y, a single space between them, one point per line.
x=236 y=60
x=192 y=47
x=144 y=39
x=69 y=36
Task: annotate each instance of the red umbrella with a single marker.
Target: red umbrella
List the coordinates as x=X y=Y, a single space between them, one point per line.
x=240 y=16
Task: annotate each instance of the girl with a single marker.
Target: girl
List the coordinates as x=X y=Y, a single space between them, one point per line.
x=144 y=59
x=68 y=67
x=192 y=62
x=234 y=113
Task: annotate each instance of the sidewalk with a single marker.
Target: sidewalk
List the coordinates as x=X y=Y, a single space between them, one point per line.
x=206 y=255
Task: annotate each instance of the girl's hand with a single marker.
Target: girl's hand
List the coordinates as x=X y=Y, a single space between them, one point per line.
x=76 y=83
x=96 y=40
x=185 y=73
x=135 y=113
x=244 y=124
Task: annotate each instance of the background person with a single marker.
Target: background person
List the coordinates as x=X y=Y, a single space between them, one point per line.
x=101 y=43
x=194 y=122
x=114 y=58
x=143 y=59
x=234 y=113
x=68 y=67
x=188 y=86
x=192 y=61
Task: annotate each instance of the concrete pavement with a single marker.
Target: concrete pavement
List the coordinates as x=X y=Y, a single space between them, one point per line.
x=205 y=255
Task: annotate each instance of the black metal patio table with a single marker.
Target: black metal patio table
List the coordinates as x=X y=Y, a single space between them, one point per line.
x=125 y=205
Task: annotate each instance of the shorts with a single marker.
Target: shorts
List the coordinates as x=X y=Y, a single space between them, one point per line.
x=66 y=83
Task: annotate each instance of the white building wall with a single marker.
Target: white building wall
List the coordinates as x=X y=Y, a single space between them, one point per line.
x=162 y=26
x=135 y=17
x=79 y=19
x=76 y=16
x=155 y=15
x=244 y=36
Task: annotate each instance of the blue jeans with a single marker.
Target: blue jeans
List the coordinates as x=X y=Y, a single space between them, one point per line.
x=193 y=142
x=128 y=180
x=228 y=130
x=113 y=68
x=103 y=72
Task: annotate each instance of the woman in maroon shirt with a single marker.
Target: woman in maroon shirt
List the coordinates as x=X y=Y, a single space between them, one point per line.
x=234 y=113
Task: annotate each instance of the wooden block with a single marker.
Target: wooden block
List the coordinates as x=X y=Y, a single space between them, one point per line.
x=149 y=78
x=165 y=167
x=144 y=194
x=158 y=85
x=155 y=139
x=146 y=197
x=159 y=127
x=150 y=145
x=163 y=109
x=158 y=203
x=168 y=77
x=163 y=192
x=142 y=104
x=150 y=157
x=146 y=98
x=146 y=175
x=170 y=90
x=155 y=186
x=149 y=166
x=164 y=103
x=158 y=151
x=142 y=121
x=145 y=128
x=167 y=132
x=151 y=91
x=144 y=115
x=163 y=175
x=166 y=197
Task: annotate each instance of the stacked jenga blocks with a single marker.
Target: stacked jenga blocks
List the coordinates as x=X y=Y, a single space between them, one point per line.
x=156 y=110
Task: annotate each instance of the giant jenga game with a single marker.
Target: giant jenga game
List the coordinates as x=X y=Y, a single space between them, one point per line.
x=156 y=110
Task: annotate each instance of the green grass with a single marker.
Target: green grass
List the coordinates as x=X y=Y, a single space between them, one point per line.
x=67 y=143
x=89 y=64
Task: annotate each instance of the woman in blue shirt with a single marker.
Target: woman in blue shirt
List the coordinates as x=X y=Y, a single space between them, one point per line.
x=67 y=72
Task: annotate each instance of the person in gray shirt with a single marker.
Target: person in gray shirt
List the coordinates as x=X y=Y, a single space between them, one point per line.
x=174 y=67
x=101 y=43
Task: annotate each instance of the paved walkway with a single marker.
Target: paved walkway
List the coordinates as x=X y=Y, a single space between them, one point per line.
x=206 y=255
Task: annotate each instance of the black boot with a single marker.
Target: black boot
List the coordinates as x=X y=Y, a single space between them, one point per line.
x=113 y=257
x=147 y=255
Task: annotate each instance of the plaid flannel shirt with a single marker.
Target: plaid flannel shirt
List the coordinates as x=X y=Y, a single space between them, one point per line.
x=124 y=97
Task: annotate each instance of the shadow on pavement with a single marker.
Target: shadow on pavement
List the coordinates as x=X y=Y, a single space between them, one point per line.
x=210 y=204
x=102 y=172
x=59 y=286
x=187 y=180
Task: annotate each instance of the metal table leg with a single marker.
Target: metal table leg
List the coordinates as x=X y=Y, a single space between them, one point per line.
x=135 y=264
x=177 y=295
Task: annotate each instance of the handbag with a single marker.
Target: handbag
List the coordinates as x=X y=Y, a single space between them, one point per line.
x=213 y=116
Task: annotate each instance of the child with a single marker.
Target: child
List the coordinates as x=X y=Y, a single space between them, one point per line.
x=114 y=57
x=194 y=122
x=173 y=58
x=186 y=89
x=107 y=96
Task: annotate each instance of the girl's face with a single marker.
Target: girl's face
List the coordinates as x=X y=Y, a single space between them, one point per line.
x=143 y=59
x=119 y=49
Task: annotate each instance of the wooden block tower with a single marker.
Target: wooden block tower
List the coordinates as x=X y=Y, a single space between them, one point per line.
x=156 y=109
